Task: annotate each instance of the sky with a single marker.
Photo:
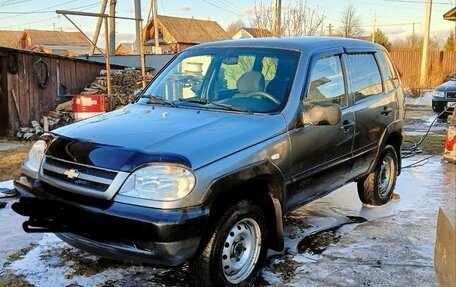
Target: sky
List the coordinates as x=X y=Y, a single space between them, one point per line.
x=394 y=17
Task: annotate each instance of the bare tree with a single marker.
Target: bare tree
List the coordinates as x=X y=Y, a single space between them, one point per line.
x=352 y=24
x=234 y=27
x=297 y=19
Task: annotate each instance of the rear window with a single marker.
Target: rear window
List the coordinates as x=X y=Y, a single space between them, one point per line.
x=365 y=75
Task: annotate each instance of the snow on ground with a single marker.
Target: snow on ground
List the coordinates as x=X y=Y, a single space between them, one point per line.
x=424 y=100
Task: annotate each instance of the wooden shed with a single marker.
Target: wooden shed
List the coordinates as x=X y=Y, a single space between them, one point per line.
x=175 y=34
x=17 y=73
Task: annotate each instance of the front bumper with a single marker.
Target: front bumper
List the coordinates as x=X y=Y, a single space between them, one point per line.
x=111 y=229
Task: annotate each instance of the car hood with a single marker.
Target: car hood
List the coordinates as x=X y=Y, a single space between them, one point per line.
x=139 y=134
x=447 y=86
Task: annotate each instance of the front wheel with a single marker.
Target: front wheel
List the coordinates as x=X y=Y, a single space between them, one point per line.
x=235 y=250
x=377 y=187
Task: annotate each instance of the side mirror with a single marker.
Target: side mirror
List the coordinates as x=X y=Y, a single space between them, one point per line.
x=322 y=114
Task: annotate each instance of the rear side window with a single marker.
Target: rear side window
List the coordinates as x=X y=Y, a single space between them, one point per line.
x=327 y=82
x=365 y=75
x=389 y=74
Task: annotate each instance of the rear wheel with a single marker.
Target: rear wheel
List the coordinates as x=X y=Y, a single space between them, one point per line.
x=235 y=250
x=377 y=188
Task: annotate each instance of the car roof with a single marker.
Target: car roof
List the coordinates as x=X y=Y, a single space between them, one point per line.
x=307 y=44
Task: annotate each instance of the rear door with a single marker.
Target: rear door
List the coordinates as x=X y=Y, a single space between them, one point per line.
x=321 y=155
x=374 y=106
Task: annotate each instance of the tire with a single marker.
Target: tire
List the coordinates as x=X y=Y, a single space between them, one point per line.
x=240 y=235
x=377 y=187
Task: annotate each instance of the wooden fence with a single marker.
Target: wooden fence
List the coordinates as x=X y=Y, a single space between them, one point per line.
x=33 y=100
x=408 y=64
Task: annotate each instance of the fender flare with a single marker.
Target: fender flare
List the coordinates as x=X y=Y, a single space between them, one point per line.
x=222 y=188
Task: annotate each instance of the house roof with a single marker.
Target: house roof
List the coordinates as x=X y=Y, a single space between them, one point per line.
x=450 y=15
x=258 y=32
x=58 y=38
x=191 y=31
x=124 y=49
x=9 y=38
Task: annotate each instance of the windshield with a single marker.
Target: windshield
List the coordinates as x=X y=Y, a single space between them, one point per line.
x=254 y=80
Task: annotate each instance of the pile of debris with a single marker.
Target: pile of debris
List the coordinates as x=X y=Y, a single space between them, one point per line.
x=124 y=84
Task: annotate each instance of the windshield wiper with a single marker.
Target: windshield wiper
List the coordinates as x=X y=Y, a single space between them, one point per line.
x=230 y=107
x=158 y=100
x=194 y=100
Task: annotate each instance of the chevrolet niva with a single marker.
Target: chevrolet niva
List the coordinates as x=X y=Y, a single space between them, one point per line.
x=226 y=139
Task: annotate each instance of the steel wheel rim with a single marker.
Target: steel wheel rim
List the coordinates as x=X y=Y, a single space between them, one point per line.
x=386 y=175
x=241 y=250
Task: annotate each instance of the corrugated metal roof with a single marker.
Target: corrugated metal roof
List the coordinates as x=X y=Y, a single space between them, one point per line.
x=190 y=31
x=9 y=38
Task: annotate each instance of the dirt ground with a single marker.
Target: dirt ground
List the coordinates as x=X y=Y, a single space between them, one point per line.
x=334 y=241
x=12 y=154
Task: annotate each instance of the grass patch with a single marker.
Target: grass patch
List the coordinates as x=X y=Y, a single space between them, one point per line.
x=18 y=254
x=432 y=144
x=13 y=280
x=11 y=161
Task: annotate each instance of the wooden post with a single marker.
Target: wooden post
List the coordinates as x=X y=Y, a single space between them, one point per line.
x=108 y=63
x=155 y=17
x=98 y=27
x=277 y=18
x=112 y=27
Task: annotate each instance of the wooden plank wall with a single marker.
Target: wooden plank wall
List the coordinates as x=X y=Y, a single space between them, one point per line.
x=35 y=102
x=408 y=65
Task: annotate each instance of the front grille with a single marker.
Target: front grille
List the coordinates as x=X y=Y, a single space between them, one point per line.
x=451 y=95
x=77 y=175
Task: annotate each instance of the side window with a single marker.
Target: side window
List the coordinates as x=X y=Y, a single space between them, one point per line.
x=391 y=79
x=327 y=82
x=232 y=72
x=365 y=75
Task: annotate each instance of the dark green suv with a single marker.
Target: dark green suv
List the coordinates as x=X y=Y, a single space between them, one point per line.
x=227 y=138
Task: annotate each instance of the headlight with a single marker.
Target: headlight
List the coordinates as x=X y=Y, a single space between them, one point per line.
x=33 y=160
x=439 y=94
x=161 y=182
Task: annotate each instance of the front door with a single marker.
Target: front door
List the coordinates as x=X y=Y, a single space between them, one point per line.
x=321 y=155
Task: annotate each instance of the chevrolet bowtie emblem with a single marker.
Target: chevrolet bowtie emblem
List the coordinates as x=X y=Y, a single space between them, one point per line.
x=71 y=173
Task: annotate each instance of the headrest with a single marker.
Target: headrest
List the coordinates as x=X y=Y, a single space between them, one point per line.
x=250 y=82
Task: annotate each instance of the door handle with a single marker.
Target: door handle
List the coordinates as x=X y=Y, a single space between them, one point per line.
x=346 y=125
x=386 y=110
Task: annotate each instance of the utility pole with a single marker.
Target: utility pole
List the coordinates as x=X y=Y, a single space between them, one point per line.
x=112 y=26
x=277 y=17
x=155 y=17
x=424 y=54
x=98 y=27
x=140 y=41
x=330 y=29
x=413 y=34
x=375 y=27
x=138 y=24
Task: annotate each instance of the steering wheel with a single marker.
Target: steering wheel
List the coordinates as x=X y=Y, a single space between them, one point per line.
x=264 y=95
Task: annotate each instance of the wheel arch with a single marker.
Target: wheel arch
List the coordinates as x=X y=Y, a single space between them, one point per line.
x=260 y=182
x=392 y=136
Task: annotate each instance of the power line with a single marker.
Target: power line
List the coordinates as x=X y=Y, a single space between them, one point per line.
x=81 y=8
x=414 y=1
x=39 y=10
x=223 y=8
x=9 y=2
